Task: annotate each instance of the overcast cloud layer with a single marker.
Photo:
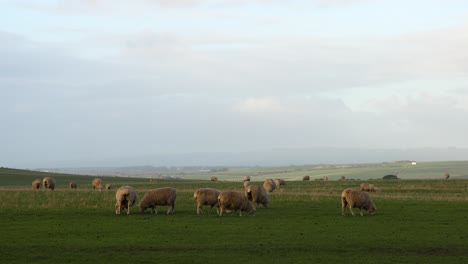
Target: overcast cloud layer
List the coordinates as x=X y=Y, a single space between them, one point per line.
x=83 y=80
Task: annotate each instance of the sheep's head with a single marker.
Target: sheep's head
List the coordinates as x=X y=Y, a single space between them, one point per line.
x=372 y=209
x=252 y=212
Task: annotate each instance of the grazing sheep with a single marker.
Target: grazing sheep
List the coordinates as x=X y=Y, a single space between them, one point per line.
x=280 y=182
x=97 y=184
x=206 y=196
x=125 y=198
x=213 y=178
x=229 y=200
x=72 y=185
x=36 y=184
x=306 y=178
x=342 y=178
x=108 y=186
x=48 y=183
x=356 y=199
x=269 y=185
x=368 y=187
x=246 y=178
x=160 y=196
x=257 y=194
x=246 y=183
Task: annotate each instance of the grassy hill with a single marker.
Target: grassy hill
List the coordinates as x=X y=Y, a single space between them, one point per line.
x=404 y=170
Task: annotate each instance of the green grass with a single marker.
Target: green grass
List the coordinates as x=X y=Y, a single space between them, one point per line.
x=417 y=221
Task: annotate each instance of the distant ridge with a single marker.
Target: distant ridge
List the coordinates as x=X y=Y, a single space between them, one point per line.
x=274 y=157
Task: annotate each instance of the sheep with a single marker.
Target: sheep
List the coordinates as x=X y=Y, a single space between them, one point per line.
x=160 y=196
x=325 y=178
x=447 y=176
x=342 y=178
x=356 y=199
x=246 y=183
x=230 y=200
x=213 y=178
x=48 y=183
x=97 y=184
x=246 y=178
x=72 y=185
x=279 y=182
x=206 y=196
x=108 y=186
x=257 y=194
x=306 y=178
x=36 y=184
x=125 y=198
x=368 y=187
x=269 y=185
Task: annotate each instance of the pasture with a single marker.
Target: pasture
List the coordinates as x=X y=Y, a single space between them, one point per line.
x=417 y=221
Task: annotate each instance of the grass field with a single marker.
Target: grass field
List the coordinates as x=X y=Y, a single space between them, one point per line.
x=417 y=221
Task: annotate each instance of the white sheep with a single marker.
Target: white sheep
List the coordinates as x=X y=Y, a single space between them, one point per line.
x=125 y=198
x=257 y=194
x=160 y=196
x=48 y=183
x=36 y=184
x=247 y=178
x=230 y=200
x=246 y=183
x=368 y=187
x=269 y=185
x=206 y=196
x=108 y=186
x=279 y=182
x=356 y=199
x=97 y=184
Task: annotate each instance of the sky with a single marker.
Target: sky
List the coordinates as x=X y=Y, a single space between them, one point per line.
x=100 y=79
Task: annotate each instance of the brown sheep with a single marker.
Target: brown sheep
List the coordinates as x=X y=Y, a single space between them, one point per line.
x=229 y=200
x=214 y=178
x=97 y=184
x=48 y=183
x=306 y=178
x=257 y=194
x=36 y=184
x=269 y=185
x=108 y=186
x=72 y=185
x=125 y=198
x=446 y=176
x=356 y=199
x=160 y=196
x=206 y=196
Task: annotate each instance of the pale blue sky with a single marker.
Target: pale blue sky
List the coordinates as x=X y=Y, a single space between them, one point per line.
x=98 y=79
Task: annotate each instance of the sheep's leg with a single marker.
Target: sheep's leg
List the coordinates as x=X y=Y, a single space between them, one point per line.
x=128 y=208
x=351 y=209
x=360 y=211
x=171 y=209
x=343 y=206
x=221 y=209
x=199 y=209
